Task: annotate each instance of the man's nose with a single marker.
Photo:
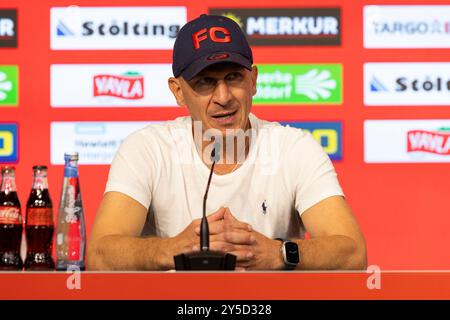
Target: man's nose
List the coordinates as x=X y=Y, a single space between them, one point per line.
x=222 y=93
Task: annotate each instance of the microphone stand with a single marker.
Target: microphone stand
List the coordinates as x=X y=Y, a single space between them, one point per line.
x=206 y=259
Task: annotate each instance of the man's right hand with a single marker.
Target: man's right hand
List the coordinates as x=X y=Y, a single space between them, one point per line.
x=188 y=240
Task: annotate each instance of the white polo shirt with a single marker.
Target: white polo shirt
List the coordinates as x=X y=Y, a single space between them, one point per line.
x=285 y=173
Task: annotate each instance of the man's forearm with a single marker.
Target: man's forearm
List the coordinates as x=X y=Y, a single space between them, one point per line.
x=332 y=253
x=116 y=252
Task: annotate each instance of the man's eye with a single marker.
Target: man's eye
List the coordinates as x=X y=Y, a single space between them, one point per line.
x=205 y=82
x=234 y=76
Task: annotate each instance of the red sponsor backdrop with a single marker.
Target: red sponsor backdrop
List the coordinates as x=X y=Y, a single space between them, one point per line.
x=402 y=209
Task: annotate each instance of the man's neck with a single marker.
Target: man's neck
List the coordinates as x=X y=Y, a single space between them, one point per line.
x=235 y=146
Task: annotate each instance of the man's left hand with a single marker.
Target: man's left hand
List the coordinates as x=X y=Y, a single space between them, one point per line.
x=252 y=249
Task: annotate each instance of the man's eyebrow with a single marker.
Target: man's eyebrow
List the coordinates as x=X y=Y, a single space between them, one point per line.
x=200 y=76
x=207 y=74
x=237 y=68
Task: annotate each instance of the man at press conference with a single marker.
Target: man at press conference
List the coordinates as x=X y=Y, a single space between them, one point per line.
x=270 y=184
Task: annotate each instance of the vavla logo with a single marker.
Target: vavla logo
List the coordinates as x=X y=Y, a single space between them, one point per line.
x=115 y=27
x=128 y=86
x=407 y=83
x=436 y=142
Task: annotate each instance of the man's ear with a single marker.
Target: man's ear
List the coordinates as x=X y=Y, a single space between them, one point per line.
x=254 y=78
x=175 y=87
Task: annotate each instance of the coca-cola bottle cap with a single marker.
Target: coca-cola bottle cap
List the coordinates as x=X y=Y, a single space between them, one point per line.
x=8 y=169
x=39 y=167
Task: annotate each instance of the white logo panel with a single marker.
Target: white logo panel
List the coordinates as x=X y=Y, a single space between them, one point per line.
x=115 y=28
x=407 y=26
x=400 y=141
x=96 y=142
x=110 y=85
x=407 y=84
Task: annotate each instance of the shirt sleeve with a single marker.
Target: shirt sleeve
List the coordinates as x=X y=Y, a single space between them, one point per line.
x=133 y=169
x=314 y=176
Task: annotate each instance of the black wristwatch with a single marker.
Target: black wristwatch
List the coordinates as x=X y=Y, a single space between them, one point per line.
x=290 y=253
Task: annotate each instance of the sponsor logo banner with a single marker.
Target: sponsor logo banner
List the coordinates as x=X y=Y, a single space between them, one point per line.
x=407 y=26
x=120 y=28
x=9 y=143
x=327 y=134
x=8 y=28
x=127 y=86
x=9 y=81
x=436 y=142
x=299 y=84
x=287 y=26
x=96 y=142
x=110 y=85
x=407 y=83
x=387 y=141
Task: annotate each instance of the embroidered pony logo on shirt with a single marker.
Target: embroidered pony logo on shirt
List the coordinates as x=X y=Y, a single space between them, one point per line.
x=264 y=207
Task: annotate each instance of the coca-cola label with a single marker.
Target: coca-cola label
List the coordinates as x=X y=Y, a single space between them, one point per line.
x=10 y=215
x=39 y=182
x=39 y=217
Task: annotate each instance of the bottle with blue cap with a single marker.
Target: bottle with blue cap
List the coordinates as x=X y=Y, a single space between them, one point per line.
x=70 y=229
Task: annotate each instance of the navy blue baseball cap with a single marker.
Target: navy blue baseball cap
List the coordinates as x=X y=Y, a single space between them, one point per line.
x=209 y=40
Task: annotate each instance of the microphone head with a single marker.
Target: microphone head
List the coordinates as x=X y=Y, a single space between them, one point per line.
x=215 y=153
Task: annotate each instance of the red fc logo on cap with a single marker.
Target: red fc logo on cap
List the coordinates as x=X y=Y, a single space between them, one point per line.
x=216 y=34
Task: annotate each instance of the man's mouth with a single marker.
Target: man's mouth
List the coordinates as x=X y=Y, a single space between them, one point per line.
x=224 y=115
x=225 y=118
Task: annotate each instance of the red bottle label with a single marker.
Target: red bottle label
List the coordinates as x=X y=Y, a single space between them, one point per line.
x=39 y=217
x=74 y=242
x=10 y=215
x=73 y=219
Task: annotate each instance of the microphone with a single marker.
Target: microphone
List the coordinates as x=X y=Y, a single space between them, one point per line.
x=204 y=227
x=206 y=259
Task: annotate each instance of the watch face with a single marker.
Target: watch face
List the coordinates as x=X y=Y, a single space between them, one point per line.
x=292 y=255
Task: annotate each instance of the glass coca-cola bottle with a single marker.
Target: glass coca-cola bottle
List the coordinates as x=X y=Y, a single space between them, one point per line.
x=10 y=222
x=39 y=224
x=70 y=228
